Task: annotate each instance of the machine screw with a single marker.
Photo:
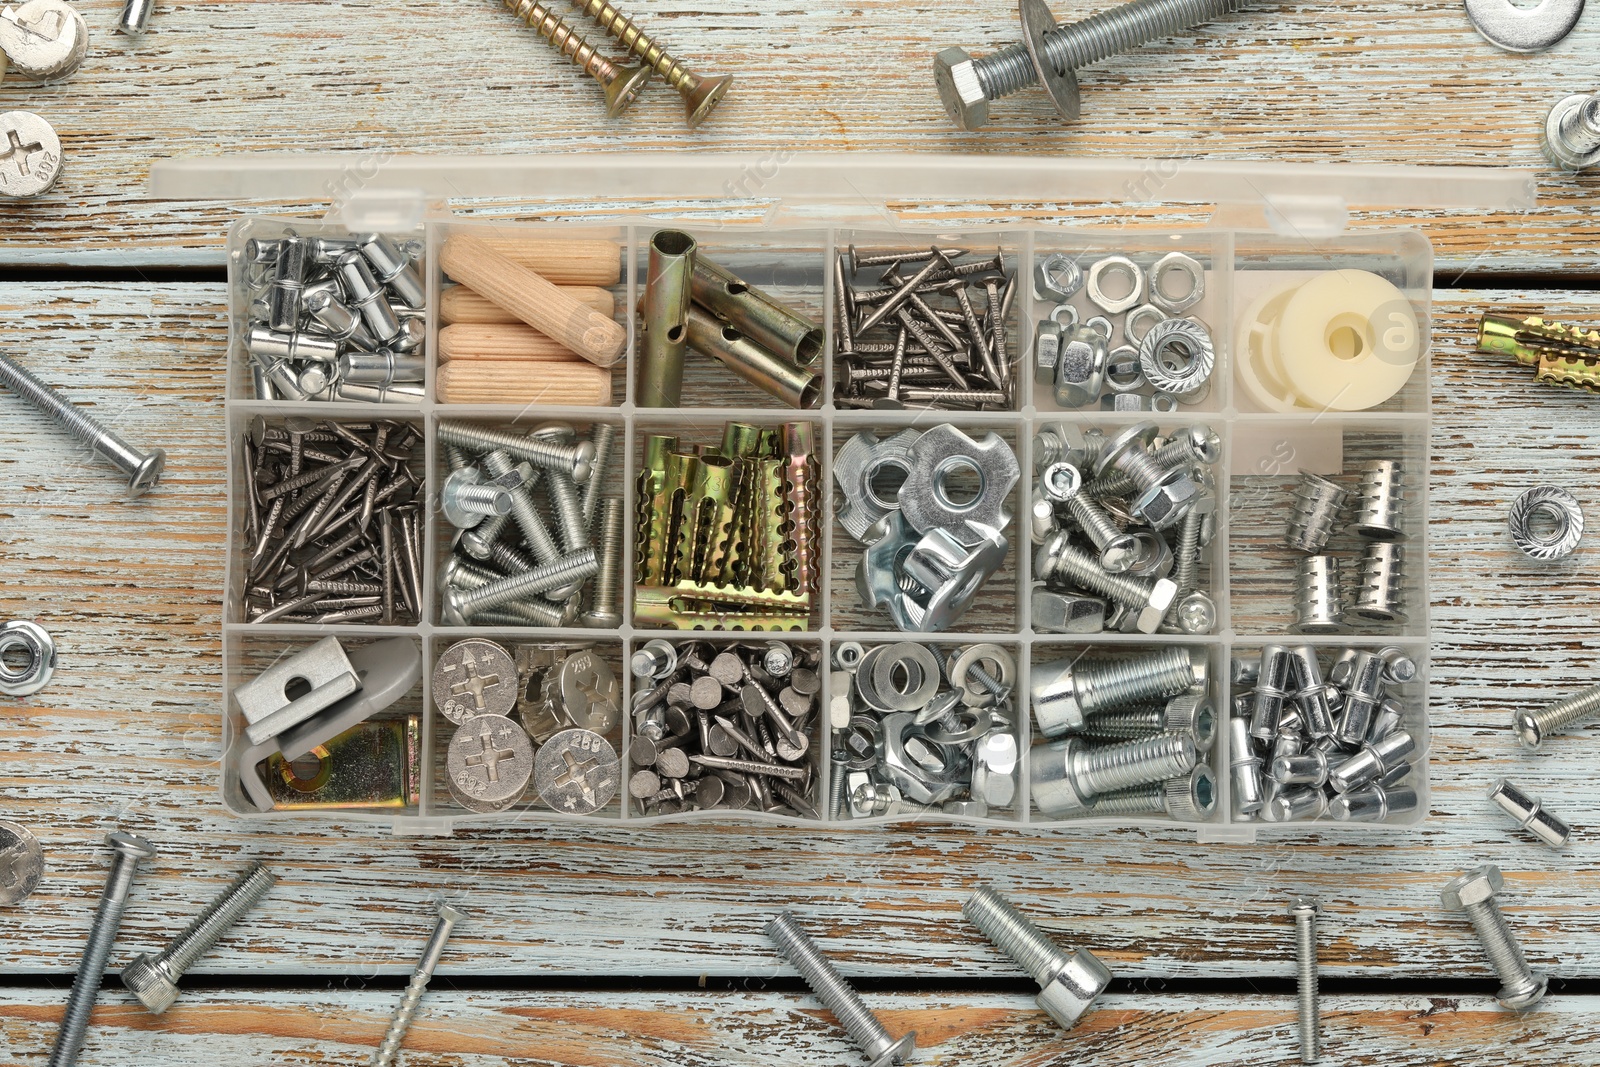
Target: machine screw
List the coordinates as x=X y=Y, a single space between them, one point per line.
x=1161 y=495
x=461 y=605
x=1521 y=987
x=154 y=980
x=1305 y=914
x=605 y=612
x=621 y=84
x=1069 y=982
x=575 y=459
x=1063 y=483
x=967 y=85
x=142 y=468
x=1532 y=726
x=700 y=95
x=466 y=500
x=384 y=1055
x=603 y=436
x=830 y=987
x=1147 y=601
x=128 y=850
x=1572 y=132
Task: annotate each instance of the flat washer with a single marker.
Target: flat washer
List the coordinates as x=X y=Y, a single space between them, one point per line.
x=922 y=671
x=1556 y=504
x=475 y=677
x=973 y=694
x=1522 y=29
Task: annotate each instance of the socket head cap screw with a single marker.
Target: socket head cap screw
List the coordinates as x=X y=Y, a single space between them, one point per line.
x=1473 y=887
x=1074 y=988
x=145 y=979
x=959 y=89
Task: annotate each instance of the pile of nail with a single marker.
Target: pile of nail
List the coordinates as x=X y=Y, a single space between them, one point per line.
x=332 y=522
x=1166 y=358
x=1103 y=508
x=909 y=333
x=727 y=536
x=335 y=318
x=1376 y=515
x=919 y=727
x=1305 y=745
x=724 y=727
x=505 y=566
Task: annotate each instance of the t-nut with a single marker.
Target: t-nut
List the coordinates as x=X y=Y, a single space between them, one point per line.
x=1047 y=351
x=1081 y=375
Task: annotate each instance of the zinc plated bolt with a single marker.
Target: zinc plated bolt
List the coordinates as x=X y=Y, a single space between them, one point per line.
x=575 y=459
x=1147 y=600
x=154 y=979
x=700 y=95
x=605 y=612
x=460 y=605
x=621 y=84
x=142 y=468
x=1068 y=775
x=127 y=851
x=602 y=436
x=1069 y=982
x=1521 y=987
x=1066 y=692
x=384 y=1055
x=830 y=987
x=1053 y=53
x=1571 y=135
x=1305 y=914
x=1532 y=726
x=1063 y=483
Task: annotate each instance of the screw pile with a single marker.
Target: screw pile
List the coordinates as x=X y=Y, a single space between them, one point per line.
x=335 y=318
x=930 y=334
x=333 y=529
x=727 y=536
x=724 y=728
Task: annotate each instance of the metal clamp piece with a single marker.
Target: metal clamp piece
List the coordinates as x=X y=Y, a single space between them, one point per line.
x=320 y=675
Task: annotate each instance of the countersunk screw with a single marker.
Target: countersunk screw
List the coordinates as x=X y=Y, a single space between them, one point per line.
x=1069 y=982
x=142 y=468
x=127 y=851
x=1305 y=914
x=621 y=84
x=700 y=95
x=154 y=980
x=1532 y=726
x=1521 y=987
x=384 y=1055
x=830 y=987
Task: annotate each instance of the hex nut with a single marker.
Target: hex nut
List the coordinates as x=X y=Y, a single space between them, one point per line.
x=992 y=787
x=997 y=752
x=1115 y=265
x=1057 y=277
x=1472 y=887
x=1186 y=264
x=959 y=88
x=1126 y=402
x=1081 y=371
x=1140 y=321
x=1148 y=619
x=1073 y=989
x=1123 y=372
x=1067 y=613
x=1047 y=351
x=1163 y=504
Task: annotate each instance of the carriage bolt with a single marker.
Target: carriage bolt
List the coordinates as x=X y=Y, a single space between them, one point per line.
x=1147 y=601
x=830 y=987
x=574 y=459
x=142 y=468
x=384 y=1055
x=1521 y=987
x=1532 y=726
x=127 y=851
x=1305 y=914
x=154 y=979
x=1069 y=982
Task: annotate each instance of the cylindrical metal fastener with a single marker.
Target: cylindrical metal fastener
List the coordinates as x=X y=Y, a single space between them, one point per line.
x=1317 y=502
x=1318 y=604
x=605 y=611
x=1529 y=813
x=1521 y=987
x=665 y=319
x=1246 y=768
x=1069 y=982
x=1380 y=511
x=1379 y=593
x=386 y=1052
x=857 y=1019
x=1309 y=998
x=791 y=337
x=135 y=18
x=790 y=383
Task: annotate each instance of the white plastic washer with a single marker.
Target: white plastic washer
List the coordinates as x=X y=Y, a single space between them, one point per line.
x=1256 y=368
x=1348 y=341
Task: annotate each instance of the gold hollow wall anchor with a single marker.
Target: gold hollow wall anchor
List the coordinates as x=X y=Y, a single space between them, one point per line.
x=621 y=84
x=1561 y=354
x=700 y=95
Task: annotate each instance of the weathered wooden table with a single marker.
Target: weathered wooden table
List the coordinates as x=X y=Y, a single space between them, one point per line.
x=644 y=946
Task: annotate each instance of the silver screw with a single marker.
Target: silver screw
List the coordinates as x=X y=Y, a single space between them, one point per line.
x=605 y=611
x=845 y=1003
x=1149 y=600
x=967 y=85
x=1069 y=982
x=1521 y=987
x=1532 y=726
x=384 y=1055
x=1572 y=132
x=154 y=980
x=462 y=604
x=142 y=468
x=127 y=851
x=602 y=436
x=1063 y=483
x=575 y=459
x=458 y=574
x=1305 y=948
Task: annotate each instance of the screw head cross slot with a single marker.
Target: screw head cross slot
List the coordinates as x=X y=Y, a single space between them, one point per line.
x=489 y=755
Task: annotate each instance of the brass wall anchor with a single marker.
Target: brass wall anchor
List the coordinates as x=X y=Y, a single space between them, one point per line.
x=1561 y=354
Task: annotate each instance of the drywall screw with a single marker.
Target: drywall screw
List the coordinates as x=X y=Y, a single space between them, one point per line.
x=802 y=953
x=127 y=851
x=1530 y=813
x=603 y=436
x=1532 y=726
x=142 y=468
x=1305 y=914
x=605 y=612
x=575 y=459
x=1069 y=982
x=700 y=95
x=154 y=979
x=1521 y=987
x=621 y=84
x=1066 y=48
x=384 y=1055
x=1572 y=132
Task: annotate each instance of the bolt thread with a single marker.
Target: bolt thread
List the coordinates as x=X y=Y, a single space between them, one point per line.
x=550 y=455
x=636 y=41
x=1124 y=725
x=69 y=416
x=535 y=531
x=1575 y=709
x=1144 y=800
x=454 y=456
x=209 y=926
x=480 y=499
x=1317 y=602
x=818 y=971
x=1181 y=451
x=1140 y=467
x=1095 y=522
x=569 y=511
x=836 y=788
x=1310 y=994
x=1580 y=127
x=563 y=38
x=1084 y=570
x=509 y=560
x=386 y=1052
x=1014 y=934
x=96 y=952
x=1500 y=944
x=574 y=568
x=486 y=534
x=603 y=436
x=1186 y=565
x=608 y=579
x=1112 y=767
x=1317 y=503
x=1382 y=570
x=990 y=683
x=1118 y=683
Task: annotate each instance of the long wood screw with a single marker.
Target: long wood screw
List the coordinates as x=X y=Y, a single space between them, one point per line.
x=700 y=95
x=384 y=1055
x=621 y=84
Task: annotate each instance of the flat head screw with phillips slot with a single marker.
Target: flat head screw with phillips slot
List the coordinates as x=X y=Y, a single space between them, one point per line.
x=830 y=987
x=700 y=95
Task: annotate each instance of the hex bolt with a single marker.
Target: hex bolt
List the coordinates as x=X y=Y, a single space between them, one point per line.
x=1305 y=914
x=127 y=851
x=1069 y=982
x=1147 y=600
x=700 y=95
x=574 y=459
x=1521 y=987
x=1572 y=132
x=142 y=468
x=1065 y=48
x=830 y=987
x=154 y=980
x=1529 y=813
x=466 y=500
x=605 y=611
x=621 y=84
x=1532 y=726
x=1153 y=483
x=384 y=1055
